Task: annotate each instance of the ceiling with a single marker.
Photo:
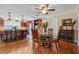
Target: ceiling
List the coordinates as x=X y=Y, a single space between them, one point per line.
x=28 y=10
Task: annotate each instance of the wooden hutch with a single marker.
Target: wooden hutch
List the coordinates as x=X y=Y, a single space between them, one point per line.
x=67 y=30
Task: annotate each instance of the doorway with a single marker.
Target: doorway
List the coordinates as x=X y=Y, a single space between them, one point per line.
x=30 y=30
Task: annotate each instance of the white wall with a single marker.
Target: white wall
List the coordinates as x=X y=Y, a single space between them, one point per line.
x=78 y=28
x=77 y=8
x=54 y=25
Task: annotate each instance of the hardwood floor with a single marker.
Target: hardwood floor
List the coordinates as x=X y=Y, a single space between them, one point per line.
x=25 y=47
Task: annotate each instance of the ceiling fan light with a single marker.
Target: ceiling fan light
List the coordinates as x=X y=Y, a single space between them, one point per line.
x=44 y=11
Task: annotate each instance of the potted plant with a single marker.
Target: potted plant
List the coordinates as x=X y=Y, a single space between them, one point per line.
x=45 y=25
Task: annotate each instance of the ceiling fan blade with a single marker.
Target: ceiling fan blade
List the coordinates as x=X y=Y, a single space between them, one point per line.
x=39 y=13
x=51 y=9
x=38 y=9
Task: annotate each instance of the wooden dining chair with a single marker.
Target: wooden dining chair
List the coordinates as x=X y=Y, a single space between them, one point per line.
x=50 y=32
x=35 y=37
x=18 y=35
x=6 y=36
x=48 y=42
x=55 y=39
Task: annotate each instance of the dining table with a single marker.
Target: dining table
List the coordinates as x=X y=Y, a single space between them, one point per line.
x=45 y=40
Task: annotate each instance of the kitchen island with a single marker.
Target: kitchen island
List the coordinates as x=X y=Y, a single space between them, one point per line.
x=13 y=35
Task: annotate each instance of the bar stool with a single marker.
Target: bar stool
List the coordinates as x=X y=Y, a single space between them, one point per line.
x=18 y=35
x=6 y=36
x=1 y=36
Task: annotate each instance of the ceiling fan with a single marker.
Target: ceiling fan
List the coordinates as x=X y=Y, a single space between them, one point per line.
x=44 y=9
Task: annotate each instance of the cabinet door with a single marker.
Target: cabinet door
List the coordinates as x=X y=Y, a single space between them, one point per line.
x=62 y=34
x=69 y=35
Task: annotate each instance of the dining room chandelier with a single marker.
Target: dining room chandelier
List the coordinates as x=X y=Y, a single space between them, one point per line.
x=9 y=16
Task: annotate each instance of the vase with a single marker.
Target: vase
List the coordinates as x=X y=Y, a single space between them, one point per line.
x=45 y=31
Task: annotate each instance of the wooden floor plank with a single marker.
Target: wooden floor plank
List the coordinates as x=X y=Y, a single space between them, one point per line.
x=25 y=47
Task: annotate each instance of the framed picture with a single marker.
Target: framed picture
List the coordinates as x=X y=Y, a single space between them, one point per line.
x=66 y=22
